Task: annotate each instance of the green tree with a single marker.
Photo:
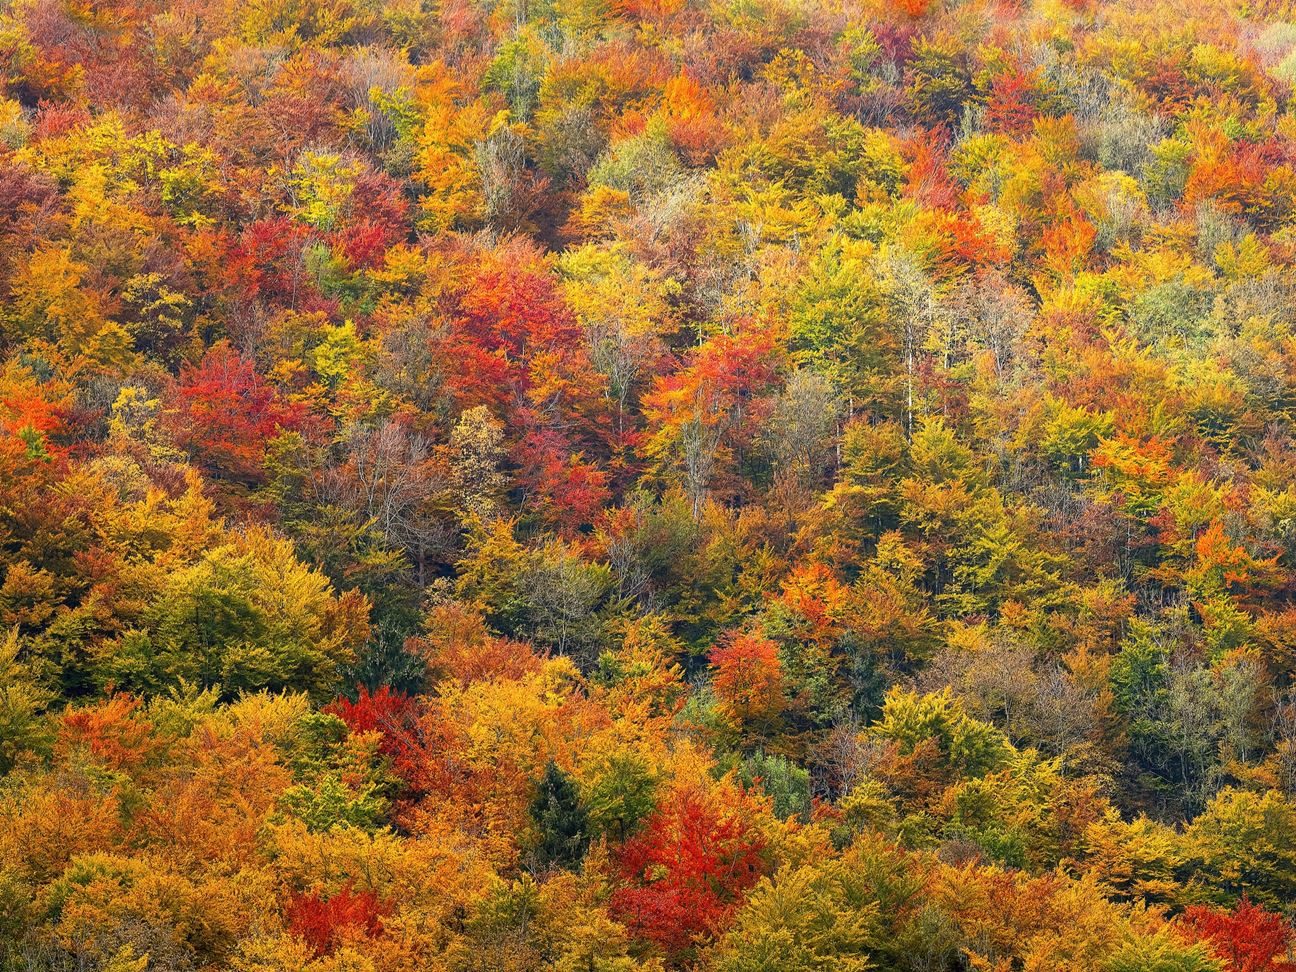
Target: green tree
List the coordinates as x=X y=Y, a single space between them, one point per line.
x=561 y=819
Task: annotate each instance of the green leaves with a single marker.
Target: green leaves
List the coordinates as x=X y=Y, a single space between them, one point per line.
x=561 y=818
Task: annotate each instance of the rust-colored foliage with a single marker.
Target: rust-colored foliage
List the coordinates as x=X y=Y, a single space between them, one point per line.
x=1246 y=939
x=323 y=921
x=685 y=873
x=224 y=413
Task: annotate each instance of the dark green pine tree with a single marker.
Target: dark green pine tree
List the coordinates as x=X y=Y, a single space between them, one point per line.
x=561 y=820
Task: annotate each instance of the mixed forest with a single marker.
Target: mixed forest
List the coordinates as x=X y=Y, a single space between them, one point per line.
x=612 y=485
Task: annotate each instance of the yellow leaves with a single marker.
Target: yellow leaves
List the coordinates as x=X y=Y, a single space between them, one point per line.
x=1246 y=259
x=602 y=207
x=271 y=716
x=320 y=186
x=14 y=127
x=403 y=269
x=49 y=302
x=271 y=953
x=1137 y=860
x=624 y=306
x=981 y=160
x=123 y=162
x=505 y=730
x=1216 y=66
x=514 y=722
x=339 y=353
x=28 y=596
x=98 y=893
x=646 y=684
x=776 y=215
x=289 y=23
x=24 y=732
x=445 y=160
x=134 y=419
x=434 y=875
x=1000 y=224
x=1045 y=924
x=1147 y=267
x=125 y=960
x=93 y=203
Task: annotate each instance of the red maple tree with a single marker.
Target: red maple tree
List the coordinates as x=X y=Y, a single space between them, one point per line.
x=1246 y=939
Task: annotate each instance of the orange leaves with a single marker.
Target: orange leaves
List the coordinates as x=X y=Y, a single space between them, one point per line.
x=110 y=734
x=1223 y=565
x=1010 y=109
x=650 y=10
x=912 y=9
x=34 y=416
x=214 y=795
x=1068 y=242
x=748 y=678
x=709 y=404
x=928 y=179
x=1247 y=178
x=459 y=647
x=959 y=238
x=814 y=595
x=444 y=162
x=53 y=823
x=1217 y=556
x=915 y=8
x=691 y=121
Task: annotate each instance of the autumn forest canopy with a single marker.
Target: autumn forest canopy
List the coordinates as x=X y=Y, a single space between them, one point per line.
x=647 y=485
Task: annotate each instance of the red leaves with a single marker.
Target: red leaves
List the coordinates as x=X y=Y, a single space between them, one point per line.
x=267 y=258
x=928 y=180
x=377 y=218
x=508 y=314
x=566 y=490
x=395 y=716
x=686 y=871
x=1247 y=939
x=1009 y=109
x=223 y=413
x=515 y=347
x=324 y=923
x=516 y=311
